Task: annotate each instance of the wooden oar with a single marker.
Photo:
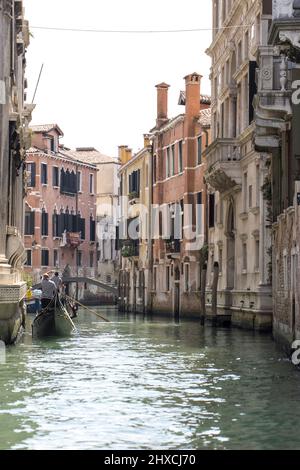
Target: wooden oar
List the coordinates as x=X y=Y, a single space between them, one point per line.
x=92 y=311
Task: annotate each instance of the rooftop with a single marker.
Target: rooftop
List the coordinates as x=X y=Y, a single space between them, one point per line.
x=88 y=155
x=204 y=99
x=44 y=128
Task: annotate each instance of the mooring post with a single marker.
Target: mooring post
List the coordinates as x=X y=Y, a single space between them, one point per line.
x=203 y=294
x=214 y=301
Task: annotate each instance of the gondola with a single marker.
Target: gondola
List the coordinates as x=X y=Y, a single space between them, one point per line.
x=54 y=320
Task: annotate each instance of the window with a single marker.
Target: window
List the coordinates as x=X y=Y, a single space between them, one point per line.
x=91 y=259
x=55 y=176
x=134 y=183
x=82 y=227
x=154 y=169
x=68 y=182
x=250 y=197
x=211 y=211
x=45 y=257
x=245 y=191
x=257 y=247
x=31 y=170
x=55 y=225
x=173 y=160
x=186 y=277
x=44 y=173
x=168 y=278
x=28 y=258
x=44 y=223
x=79 y=181
x=55 y=258
x=52 y=144
x=29 y=223
x=168 y=163
x=257 y=186
x=220 y=259
x=79 y=258
x=92 y=230
x=199 y=149
x=180 y=157
x=91 y=184
x=245 y=264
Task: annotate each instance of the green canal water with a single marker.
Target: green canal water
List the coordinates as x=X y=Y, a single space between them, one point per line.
x=149 y=384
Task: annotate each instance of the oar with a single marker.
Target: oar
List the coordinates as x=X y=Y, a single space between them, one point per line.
x=92 y=311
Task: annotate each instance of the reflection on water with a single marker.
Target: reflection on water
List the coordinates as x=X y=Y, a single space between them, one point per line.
x=140 y=383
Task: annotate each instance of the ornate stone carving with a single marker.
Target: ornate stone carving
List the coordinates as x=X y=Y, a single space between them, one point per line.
x=290 y=36
x=283 y=72
x=266 y=74
x=12 y=294
x=15 y=250
x=283 y=9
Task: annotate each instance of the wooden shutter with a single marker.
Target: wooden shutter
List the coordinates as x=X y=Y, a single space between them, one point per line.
x=33 y=174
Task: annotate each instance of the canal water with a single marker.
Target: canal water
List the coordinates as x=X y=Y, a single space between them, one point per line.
x=150 y=384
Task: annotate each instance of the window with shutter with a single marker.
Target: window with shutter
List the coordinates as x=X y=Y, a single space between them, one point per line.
x=82 y=228
x=44 y=224
x=44 y=173
x=55 y=176
x=92 y=230
x=45 y=257
x=55 y=225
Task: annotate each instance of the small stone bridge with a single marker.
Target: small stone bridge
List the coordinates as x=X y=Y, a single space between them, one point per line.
x=86 y=280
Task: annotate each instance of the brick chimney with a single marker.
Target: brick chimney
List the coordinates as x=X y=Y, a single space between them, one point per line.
x=122 y=154
x=162 y=103
x=192 y=95
x=147 y=141
x=128 y=153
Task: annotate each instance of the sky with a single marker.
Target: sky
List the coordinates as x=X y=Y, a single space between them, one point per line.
x=99 y=87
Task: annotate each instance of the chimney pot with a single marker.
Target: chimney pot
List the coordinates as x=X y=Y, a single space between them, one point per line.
x=162 y=103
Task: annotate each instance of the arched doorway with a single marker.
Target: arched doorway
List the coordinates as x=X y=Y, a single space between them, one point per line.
x=230 y=233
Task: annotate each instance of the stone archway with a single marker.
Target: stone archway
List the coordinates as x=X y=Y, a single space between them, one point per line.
x=230 y=234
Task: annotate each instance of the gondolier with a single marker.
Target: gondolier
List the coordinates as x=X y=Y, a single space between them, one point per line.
x=57 y=281
x=49 y=290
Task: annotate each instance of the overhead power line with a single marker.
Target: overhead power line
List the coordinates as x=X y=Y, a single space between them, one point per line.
x=149 y=31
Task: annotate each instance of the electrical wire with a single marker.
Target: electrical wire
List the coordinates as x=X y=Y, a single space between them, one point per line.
x=150 y=31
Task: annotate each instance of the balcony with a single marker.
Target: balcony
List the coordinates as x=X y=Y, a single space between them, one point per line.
x=223 y=162
x=173 y=247
x=133 y=197
x=130 y=249
x=70 y=240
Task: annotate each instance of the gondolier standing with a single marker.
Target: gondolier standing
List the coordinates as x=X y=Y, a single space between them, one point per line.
x=57 y=281
x=48 y=291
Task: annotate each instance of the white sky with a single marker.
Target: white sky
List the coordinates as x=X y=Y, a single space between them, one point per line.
x=100 y=88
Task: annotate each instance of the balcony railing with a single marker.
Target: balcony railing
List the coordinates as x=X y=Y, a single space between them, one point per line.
x=130 y=248
x=223 y=150
x=173 y=246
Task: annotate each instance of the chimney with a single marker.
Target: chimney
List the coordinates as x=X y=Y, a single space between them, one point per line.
x=192 y=95
x=162 y=104
x=147 y=142
x=122 y=154
x=128 y=153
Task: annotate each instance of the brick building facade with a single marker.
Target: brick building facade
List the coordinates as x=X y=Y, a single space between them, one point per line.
x=60 y=209
x=178 y=171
